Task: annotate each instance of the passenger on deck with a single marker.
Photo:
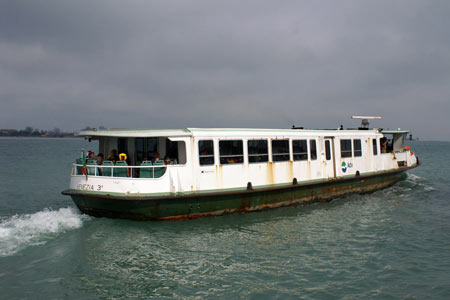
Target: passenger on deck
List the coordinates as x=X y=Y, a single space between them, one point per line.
x=99 y=162
x=167 y=160
x=390 y=146
x=99 y=158
x=91 y=155
x=384 y=145
x=113 y=156
x=156 y=156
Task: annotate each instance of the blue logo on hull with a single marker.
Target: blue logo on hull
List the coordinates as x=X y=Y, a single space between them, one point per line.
x=346 y=166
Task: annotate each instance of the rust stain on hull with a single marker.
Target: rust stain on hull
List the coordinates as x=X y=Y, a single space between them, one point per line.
x=270 y=173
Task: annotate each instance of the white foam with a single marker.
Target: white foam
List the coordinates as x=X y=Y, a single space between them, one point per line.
x=420 y=182
x=21 y=231
x=413 y=177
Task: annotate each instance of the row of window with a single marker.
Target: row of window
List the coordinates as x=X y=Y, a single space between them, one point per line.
x=232 y=151
x=346 y=148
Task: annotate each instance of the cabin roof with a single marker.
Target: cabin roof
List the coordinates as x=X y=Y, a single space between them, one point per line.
x=266 y=130
x=219 y=131
x=134 y=132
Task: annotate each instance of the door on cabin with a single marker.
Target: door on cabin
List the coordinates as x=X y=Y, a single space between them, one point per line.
x=329 y=161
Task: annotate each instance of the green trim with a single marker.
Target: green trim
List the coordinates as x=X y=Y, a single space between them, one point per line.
x=394 y=131
x=122 y=194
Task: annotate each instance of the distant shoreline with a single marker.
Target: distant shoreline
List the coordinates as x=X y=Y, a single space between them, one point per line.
x=34 y=133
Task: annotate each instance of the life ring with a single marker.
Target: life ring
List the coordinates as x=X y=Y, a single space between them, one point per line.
x=122 y=156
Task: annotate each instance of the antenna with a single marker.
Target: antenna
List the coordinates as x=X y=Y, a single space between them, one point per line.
x=365 y=120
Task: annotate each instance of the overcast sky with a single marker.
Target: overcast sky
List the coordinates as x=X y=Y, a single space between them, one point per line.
x=206 y=63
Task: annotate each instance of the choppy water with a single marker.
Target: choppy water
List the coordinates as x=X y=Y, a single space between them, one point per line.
x=392 y=244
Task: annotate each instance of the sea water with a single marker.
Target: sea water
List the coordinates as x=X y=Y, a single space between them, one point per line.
x=391 y=244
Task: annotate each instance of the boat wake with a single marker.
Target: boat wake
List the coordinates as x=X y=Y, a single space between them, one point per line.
x=419 y=182
x=21 y=231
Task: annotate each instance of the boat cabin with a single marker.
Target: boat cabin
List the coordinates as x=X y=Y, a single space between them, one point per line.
x=198 y=160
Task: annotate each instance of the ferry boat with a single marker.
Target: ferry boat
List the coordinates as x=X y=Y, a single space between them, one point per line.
x=210 y=171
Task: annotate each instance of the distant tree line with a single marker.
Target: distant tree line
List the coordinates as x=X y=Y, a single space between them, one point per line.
x=93 y=128
x=34 y=132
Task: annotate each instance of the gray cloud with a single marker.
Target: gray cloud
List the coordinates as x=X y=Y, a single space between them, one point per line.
x=166 y=64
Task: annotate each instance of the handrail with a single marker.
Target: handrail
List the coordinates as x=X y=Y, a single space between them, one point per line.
x=130 y=171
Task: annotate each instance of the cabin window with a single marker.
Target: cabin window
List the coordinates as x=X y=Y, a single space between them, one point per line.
x=145 y=147
x=384 y=145
x=327 y=150
x=300 y=148
x=346 y=148
x=258 y=151
x=312 y=149
x=172 y=149
x=179 y=157
x=140 y=149
x=206 y=152
x=122 y=145
x=231 y=152
x=375 y=148
x=280 y=150
x=149 y=149
x=357 y=148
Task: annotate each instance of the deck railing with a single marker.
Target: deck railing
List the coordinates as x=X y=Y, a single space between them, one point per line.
x=119 y=171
